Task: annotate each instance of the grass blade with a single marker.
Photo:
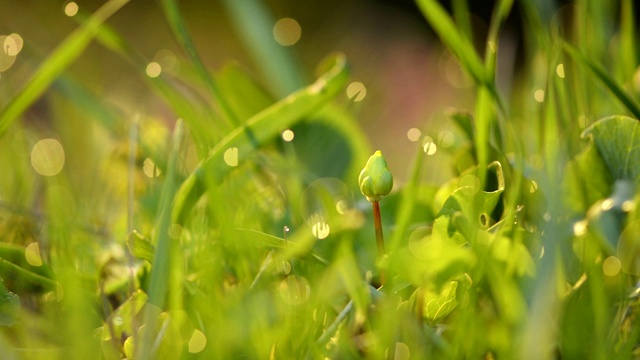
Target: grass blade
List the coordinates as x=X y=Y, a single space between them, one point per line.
x=179 y=29
x=161 y=279
x=258 y=129
x=254 y=22
x=453 y=39
x=69 y=50
x=628 y=55
x=606 y=80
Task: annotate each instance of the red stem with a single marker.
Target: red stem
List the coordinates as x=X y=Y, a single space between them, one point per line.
x=377 y=220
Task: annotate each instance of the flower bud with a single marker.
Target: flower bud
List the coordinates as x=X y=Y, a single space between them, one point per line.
x=375 y=179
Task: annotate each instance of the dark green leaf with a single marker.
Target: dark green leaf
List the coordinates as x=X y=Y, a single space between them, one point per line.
x=9 y=306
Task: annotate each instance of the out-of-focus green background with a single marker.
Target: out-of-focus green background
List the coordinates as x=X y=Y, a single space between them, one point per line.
x=409 y=80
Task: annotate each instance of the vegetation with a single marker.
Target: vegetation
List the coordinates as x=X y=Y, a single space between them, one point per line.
x=227 y=237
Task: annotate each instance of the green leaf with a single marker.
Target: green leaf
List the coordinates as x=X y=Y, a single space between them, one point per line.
x=122 y=322
x=9 y=306
x=467 y=197
x=437 y=305
x=434 y=259
x=166 y=248
x=68 y=51
x=617 y=139
x=601 y=74
x=124 y=317
x=586 y=180
x=140 y=247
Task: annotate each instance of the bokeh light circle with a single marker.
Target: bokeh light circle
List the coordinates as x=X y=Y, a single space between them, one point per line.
x=47 y=157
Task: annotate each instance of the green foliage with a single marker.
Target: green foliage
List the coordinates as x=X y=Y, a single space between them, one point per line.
x=228 y=238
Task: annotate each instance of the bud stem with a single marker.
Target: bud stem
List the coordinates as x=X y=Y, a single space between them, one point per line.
x=377 y=220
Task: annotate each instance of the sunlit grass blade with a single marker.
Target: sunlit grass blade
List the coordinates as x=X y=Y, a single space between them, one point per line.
x=500 y=12
x=255 y=24
x=444 y=26
x=462 y=17
x=485 y=116
x=601 y=74
x=176 y=22
x=69 y=50
x=161 y=280
x=259 y=129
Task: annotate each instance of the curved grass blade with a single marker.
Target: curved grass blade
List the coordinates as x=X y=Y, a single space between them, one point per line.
x=69 y=50
x=161 y=280
x=453 y=39
x=608 y=81
x=179 y=29
x=10 y=269
x=257 y=130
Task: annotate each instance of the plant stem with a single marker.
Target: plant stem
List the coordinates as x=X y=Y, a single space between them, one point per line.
x=377 y=220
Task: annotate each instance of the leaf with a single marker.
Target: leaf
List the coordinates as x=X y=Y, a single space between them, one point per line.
x=607 y=217
x=270 y=241
x=586 y=180
x=437 y=305
x=122 y=322
x=617 y=139
x=140 y=247
x=25 y=273
x=601 y=74
x=124 y=317
x=166 y=248
x=435 y=259
x=467 y=198
x=9 y=306
x=69 y=50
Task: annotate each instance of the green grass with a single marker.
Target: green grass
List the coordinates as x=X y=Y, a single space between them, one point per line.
x=250 y=246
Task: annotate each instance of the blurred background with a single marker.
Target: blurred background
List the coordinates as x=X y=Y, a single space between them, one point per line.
x=403 y=78
x=403 y=82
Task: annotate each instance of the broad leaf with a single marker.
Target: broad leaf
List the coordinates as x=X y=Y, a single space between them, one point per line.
x=140 y=247
x=437 y=305
x=617 y=139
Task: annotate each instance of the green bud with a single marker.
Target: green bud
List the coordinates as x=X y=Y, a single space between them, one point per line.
x=375 y=179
